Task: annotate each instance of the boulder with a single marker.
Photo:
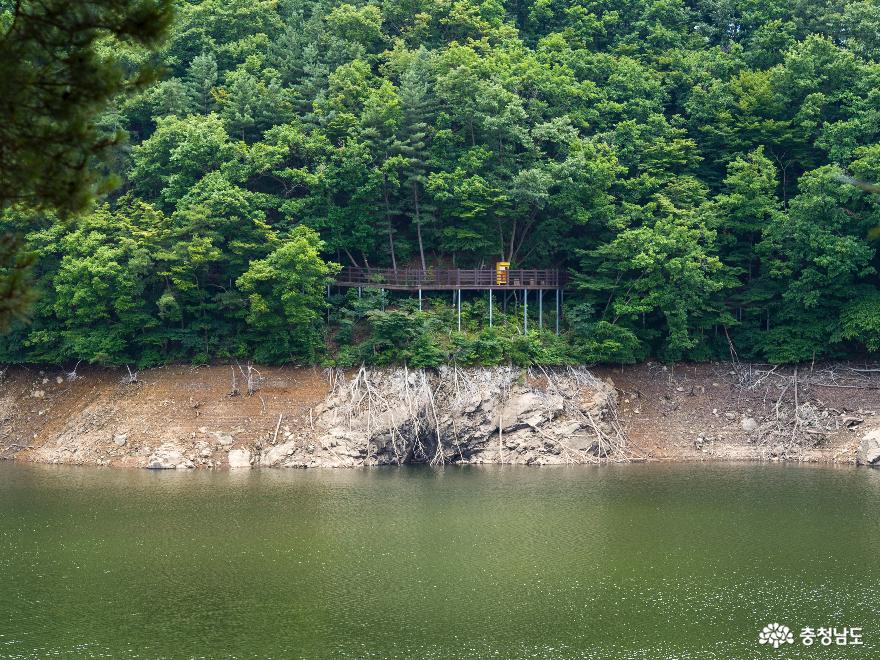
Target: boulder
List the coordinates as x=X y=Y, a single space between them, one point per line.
x=166 y=457
x=518 y=407
x=749 y=424
x=277 y=453
x=120 y=439
x=239 y=458
x=869 y=449
x=569 y=428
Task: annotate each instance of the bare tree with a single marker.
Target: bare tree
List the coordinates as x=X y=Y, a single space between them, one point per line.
x=131 y=378
x=252 y=377
x=72 y=375
x=234 y=391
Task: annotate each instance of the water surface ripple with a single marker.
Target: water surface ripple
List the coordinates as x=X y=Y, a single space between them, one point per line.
x=641 y=561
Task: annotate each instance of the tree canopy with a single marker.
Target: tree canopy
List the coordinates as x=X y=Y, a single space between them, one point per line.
x=688 y=163
x=62 y=64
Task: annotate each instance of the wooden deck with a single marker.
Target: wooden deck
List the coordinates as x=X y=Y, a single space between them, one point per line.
x=458 y=278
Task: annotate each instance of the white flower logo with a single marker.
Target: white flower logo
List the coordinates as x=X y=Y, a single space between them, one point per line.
x=775 y=635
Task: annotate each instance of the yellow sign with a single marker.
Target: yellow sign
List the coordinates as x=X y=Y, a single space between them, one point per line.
x=501 y=269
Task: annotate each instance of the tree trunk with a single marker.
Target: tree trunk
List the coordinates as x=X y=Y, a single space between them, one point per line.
x=419 y=224
x=390 y=227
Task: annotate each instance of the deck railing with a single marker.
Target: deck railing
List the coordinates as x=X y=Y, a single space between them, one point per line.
x=447 y=278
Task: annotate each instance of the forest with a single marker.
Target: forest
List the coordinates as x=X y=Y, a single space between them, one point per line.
x=703 y=171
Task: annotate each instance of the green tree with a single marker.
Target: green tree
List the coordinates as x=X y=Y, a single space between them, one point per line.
x=58 y=72
x=286 y=292
x=201 y=78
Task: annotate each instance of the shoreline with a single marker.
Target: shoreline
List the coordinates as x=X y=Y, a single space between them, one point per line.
x=185 y=417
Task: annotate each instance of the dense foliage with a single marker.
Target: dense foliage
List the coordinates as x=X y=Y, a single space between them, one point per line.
x=60 y=68
x=694 y=165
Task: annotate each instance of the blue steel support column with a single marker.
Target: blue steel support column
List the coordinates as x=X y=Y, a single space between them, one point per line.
x=557 y=311
x=540 y=309
x=459 y=310
x=490 y=308
x=525 y=311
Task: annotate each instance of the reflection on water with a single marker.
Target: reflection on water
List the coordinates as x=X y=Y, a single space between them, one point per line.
x=643 y=561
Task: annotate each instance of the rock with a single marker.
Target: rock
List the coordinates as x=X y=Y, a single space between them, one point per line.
x=730 y=415
x=59 y=380
x=869 y=449
x=38 y=394
x=225 y=440
x=277 y=453
x=239 y=458
x=120 y=439
x=567 y=429
x=205 y=452
x=542 y=421
x=517 y=407
x=749 y=424
x=166 y=457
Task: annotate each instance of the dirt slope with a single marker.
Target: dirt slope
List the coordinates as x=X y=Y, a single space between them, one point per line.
x=46 y=418
x=681 y=412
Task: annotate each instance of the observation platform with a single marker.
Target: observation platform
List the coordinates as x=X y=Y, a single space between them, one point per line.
x=448 y=279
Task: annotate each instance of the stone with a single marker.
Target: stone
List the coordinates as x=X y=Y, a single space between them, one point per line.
x=38 y=394
x=225 y=440
x=749 y=424
x=869 y=449
x=464 y=412
x=277 y=453
x=120 y=439
x=239 y=458
x=569 y=428
x=59 y=380
x=517 y=407
x=166 y=457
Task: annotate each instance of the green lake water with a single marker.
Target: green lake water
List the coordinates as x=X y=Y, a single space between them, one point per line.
x=639 y=561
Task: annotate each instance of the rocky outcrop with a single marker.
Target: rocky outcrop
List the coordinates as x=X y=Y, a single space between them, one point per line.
x=239 y=458
x=497 y=415
x=168 y=457
x=869 y=449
